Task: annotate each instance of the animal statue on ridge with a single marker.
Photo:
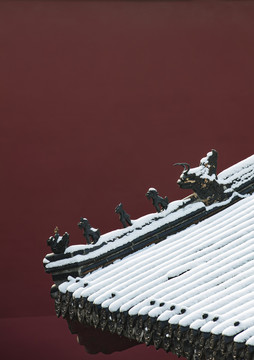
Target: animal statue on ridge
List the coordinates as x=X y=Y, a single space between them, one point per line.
x=123 y=216
x=203 y=180
x=91 y=234
x=159 y=202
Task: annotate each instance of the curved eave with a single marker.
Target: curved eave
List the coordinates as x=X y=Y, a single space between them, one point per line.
x=195 y=287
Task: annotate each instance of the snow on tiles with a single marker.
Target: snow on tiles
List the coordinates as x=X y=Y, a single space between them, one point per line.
x=202 y=273
x=237 y=175
x=185 y=272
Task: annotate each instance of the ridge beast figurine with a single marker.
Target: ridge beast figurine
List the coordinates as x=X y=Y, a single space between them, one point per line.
x=203 y=180
x=91 y=234
x=123 y=216
x=58 y=243
x=158 y=202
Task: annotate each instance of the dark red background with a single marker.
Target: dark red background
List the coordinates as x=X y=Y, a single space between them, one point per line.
x=97 y=101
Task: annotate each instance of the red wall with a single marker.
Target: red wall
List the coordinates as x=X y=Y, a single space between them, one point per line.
x=97 y=101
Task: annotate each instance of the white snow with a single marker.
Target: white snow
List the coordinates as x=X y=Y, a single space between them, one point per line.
x=152 y=189
x=139 y=227
x=237 y=174
x=202 y=273
x=204 y=269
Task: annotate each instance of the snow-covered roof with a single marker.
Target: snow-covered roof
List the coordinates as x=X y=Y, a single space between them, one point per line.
x=202 y=277
x=239 y=176
x=191 y=293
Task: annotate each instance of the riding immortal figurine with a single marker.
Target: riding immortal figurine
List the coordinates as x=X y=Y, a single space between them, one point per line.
x=58 y=243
